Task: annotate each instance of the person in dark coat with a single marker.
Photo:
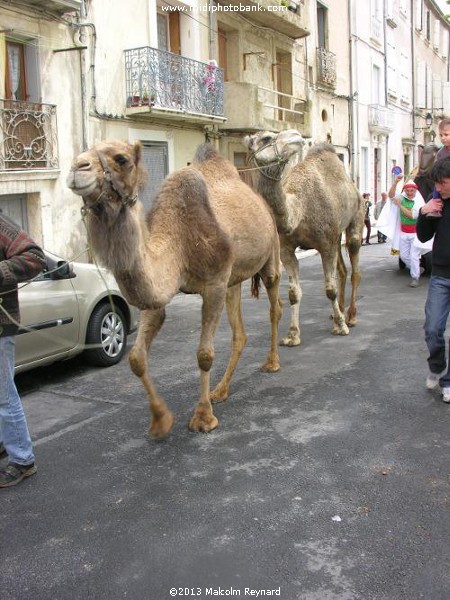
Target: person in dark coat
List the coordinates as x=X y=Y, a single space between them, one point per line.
x=20 y=259
x=437 y=306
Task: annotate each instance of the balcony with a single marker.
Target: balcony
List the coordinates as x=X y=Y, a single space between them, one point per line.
x=28 y=135
x=162 y=85
x=250 y=107
x=55 y=6
x=272 y=14
x=381 y=119
x=326 y=67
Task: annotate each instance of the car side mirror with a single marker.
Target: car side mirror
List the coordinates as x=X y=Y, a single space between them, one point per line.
x=64 y=270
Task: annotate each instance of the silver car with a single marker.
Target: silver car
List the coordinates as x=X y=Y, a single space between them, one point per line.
x=72 y=308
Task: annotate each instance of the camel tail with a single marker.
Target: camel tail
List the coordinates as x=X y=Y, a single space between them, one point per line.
x=256 y=281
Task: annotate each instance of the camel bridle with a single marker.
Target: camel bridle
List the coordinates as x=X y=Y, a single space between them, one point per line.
x=274 y=170
x=111 y=180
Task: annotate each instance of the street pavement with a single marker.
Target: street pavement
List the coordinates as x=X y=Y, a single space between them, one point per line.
x=329 y=480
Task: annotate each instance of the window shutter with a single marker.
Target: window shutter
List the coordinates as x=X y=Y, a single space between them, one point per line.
x=436 y=34
x=446 y=98
x=421 y=84
x=429 y=88
x=155 y=162
x=419 y=22
x=437 y=94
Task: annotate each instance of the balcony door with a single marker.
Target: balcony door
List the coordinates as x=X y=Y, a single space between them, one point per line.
x=284 y=83
x=21 y=124
x=170 y=86
x=15 y=84
x=21 y=72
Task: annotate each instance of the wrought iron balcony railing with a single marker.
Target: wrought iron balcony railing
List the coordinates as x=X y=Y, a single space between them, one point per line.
x=170 y=81
x=381 y=118
x=326 y=67
x=28 y=135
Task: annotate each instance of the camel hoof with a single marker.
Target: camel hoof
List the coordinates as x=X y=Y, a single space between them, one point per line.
x=291 y=341
x=351 y=322
x=160 y=427
x=344 y=330
x=218 y=395
x=201 y=424
x=270 y=367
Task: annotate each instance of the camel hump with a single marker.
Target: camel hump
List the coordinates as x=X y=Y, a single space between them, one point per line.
x=206 y=152
x=185 y=196
x=213 y=165
x=320 y=148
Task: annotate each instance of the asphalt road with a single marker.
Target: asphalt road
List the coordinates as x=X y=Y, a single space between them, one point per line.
x=326 y=481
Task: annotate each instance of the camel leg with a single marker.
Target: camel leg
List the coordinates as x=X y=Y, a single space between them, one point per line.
x=329 y=263
x=290 y=263
x=234 y=312
x=353 y=246
x=149 y=325
x=342 y=273
x=213 y=301
x=272 y=285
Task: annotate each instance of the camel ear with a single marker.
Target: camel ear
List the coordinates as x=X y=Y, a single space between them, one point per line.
x=247 y=141
x=137 y=148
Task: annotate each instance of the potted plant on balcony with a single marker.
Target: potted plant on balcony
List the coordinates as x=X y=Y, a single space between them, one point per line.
x=145 y=97
x=134 y=100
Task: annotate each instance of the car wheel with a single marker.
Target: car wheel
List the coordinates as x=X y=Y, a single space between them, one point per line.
x=401 y=264
x=108 y=329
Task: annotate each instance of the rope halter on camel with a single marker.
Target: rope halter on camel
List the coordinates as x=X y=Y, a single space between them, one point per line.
x=110 y=179
x=273 y=170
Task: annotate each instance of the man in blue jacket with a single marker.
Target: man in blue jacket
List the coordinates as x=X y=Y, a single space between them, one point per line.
x=437 y=307
x=20 y=260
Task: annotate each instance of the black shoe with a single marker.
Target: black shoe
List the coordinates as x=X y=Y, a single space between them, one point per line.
x=14 y=474
x=3 y=452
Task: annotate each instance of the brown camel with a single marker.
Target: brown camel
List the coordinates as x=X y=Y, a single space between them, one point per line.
x=313 y=206
x=206 y=233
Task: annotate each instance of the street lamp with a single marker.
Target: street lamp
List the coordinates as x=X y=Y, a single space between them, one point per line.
x=428 y=121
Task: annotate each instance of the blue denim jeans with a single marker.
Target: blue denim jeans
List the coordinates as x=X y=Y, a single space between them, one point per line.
x=13 y=425
x=437 y=309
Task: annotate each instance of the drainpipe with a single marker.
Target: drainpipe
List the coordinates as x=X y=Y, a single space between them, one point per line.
x=353 y=103
x=386 y=185
x=413 y=80
x=212 y=41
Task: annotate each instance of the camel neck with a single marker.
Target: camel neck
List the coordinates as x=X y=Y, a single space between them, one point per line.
x=124 y=248
x=273 y=193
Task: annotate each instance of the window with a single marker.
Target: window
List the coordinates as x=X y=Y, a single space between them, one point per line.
x=428 y=25
x=284 y=82
x=169 y=32
x=223 y=52
x=364 y=168
x=421 y=84
x=21 y=71
x=436 y=35
x=14 y=206
x=16 y=88
x=322 y=33
x=405 y=70
x=376 y=84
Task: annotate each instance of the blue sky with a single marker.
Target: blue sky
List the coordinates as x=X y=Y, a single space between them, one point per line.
x=443 y=6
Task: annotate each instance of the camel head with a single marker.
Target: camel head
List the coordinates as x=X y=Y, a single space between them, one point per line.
x=274 y=149
x=107 y=176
